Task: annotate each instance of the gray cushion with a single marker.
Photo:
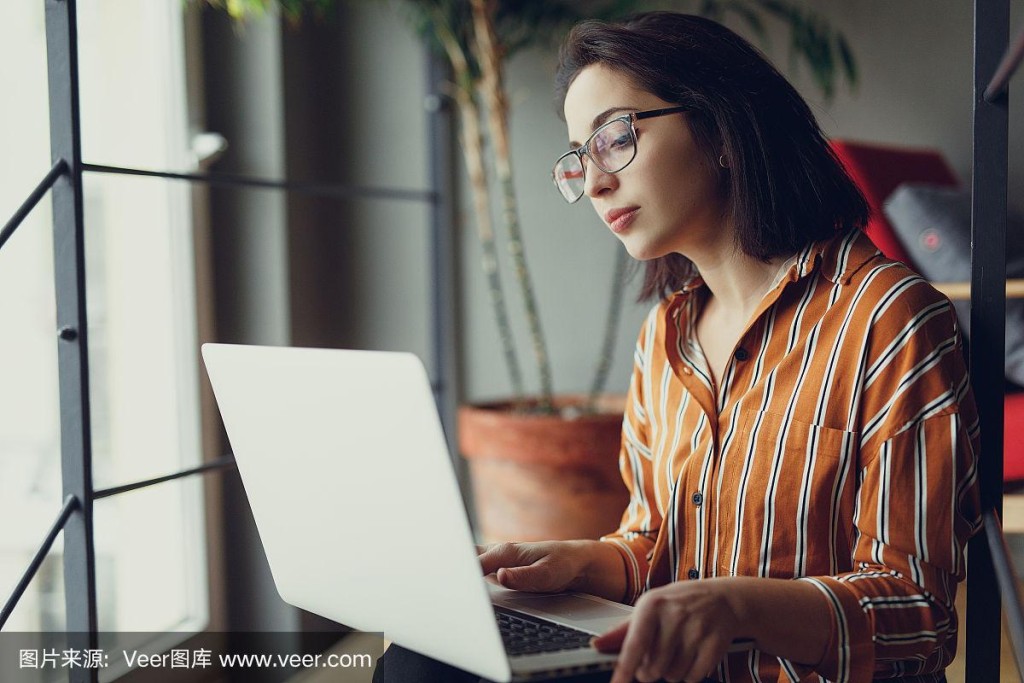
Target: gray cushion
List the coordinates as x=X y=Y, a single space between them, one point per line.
x=934 y=225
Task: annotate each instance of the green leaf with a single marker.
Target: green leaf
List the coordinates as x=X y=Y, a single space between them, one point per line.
x=813 y=41
x=525 y=23
x=847 y=59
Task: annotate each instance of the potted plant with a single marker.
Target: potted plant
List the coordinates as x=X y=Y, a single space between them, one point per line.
x=545 y=466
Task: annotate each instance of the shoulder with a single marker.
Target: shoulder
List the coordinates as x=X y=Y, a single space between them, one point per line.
x=913 y=363
x=898 y=319
x=888 y=296
x=853 y=261
x=862 y=285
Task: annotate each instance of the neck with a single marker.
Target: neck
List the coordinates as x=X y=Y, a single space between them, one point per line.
x=738 y=282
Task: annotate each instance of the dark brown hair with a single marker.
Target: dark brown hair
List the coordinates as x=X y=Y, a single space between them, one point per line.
x=784 y=185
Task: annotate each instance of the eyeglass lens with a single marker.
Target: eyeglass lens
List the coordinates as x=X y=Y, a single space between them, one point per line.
x=611 y=148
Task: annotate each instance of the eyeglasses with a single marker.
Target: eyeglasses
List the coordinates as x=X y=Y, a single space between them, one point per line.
x=612 y=147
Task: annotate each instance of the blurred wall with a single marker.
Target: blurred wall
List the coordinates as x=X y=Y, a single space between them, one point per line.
x=915 y=88
x=356 y=271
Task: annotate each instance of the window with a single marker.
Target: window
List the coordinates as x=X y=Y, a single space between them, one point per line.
x=150 y=544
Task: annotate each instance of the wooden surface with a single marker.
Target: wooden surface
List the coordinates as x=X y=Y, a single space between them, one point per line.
x=962 y=290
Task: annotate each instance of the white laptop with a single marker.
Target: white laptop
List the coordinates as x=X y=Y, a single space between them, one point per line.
x=351 y=485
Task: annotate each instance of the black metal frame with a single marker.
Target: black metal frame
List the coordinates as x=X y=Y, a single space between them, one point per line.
x=991 y=571
x=64 y=182
x=988 y=324
x=72 y=348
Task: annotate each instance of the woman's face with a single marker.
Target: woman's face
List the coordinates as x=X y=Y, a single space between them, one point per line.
x=668 y=199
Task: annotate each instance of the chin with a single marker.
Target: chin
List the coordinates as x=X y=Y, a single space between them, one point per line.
x=642 y=252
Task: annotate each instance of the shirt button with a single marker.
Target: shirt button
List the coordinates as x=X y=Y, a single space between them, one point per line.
x=693 y=573
x=687 y=370
x=697 y=498
x=741 y=354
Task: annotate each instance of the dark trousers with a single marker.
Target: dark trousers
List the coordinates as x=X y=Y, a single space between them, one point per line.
x=399 y=665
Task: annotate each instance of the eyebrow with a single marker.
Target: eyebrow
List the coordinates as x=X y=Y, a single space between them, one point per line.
x=600 y=119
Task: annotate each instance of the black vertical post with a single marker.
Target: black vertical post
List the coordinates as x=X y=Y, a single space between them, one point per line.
x=442 y=230
x=72 y=353
x=988 y=325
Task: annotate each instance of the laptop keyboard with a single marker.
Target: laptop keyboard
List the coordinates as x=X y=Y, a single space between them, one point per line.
x=526 y=635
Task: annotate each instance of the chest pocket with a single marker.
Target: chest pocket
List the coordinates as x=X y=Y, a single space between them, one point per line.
x=773 y=433
x=793 y=484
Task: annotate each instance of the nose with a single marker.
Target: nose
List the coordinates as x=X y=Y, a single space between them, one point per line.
x=597 y=182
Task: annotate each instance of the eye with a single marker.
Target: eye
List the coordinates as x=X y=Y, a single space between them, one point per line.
x=611 y=138
x=621 y=141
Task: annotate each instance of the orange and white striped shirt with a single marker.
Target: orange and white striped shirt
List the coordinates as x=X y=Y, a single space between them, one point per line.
x=841 y=449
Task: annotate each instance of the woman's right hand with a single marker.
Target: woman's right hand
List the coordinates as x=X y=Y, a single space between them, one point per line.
x=546 y=567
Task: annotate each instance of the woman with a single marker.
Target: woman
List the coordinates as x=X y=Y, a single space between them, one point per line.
x=800 y=437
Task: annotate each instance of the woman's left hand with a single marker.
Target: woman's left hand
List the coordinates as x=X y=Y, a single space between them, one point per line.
x=679 y=632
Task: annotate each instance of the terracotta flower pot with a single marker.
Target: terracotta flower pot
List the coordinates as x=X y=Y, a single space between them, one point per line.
x=543 y=477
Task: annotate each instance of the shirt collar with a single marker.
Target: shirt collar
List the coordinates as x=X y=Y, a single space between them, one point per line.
x=839 y=258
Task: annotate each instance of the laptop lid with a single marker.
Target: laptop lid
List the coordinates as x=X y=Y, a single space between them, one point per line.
x=364 y=526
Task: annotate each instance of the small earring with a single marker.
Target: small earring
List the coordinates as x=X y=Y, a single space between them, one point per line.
x=721 y=161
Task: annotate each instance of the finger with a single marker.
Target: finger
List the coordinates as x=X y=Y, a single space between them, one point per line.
x=611 y=641
x=647 y=672
x=680 y=667
x=535 y=578
x=509 y=578
x=638 y=638
x=707 y=657
x=669 y=644
x=643 y=672
x=498 y=555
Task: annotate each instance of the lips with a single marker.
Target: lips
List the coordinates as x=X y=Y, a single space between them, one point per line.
x=619 y=219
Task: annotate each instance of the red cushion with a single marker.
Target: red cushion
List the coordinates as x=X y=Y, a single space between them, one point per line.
x=880 y=169
x=1013 y=437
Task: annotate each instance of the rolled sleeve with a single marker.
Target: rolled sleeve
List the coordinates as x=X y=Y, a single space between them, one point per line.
x=917 y=500
x=641 y=520
x=918 y=506
x=849 y=656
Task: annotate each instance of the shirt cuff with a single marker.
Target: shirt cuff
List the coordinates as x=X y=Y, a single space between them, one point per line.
x=850 y=654
x=634 y=552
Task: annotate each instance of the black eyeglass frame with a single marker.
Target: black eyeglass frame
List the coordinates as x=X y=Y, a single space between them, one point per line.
x=630 y=118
